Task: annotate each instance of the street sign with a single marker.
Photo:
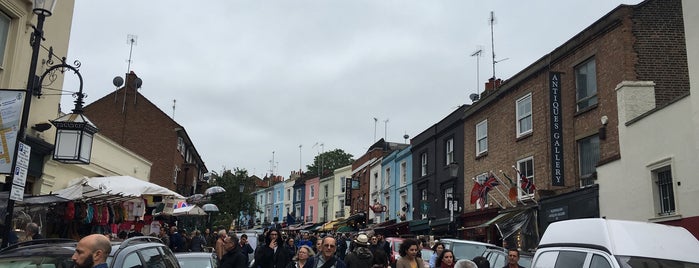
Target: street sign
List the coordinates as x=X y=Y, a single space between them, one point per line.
x=17 y=193
x=20 y=172
x=424 y=206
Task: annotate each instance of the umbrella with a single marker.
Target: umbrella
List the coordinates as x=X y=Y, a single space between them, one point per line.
x=196 y=198
x=210 y=208
x=214 y=190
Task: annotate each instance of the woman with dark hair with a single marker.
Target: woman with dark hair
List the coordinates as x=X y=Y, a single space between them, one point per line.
x=481 y=262
x=290 y=247
x=408 y=255
x=446 y=259
x=437 y=248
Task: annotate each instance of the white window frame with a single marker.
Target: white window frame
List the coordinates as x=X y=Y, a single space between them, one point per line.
x=664 y=193
x=403 y=173
x=524 y=115
x=448 y=192
x=449 y=149
x=482 y=136
x=343 y=182
x=298 y=194
x=529 y=174
x=312 y=194
x=5 y=28
x=586 y=91
x=587 y=178
x=423 y=197
x=423 y=164
x=288 y=194
x=327 y=191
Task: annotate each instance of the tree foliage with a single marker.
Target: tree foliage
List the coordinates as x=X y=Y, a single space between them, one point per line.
x=232 y=203
x=328 y=161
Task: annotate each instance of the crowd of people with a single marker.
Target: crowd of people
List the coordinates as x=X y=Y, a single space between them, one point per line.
x=277 y=249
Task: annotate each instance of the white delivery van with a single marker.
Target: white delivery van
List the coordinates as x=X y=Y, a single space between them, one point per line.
x=602 y=243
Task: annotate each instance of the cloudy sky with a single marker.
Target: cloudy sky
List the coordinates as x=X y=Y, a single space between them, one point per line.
x=256 y=79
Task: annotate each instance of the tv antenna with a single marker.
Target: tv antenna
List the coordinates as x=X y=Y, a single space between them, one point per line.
x=478 y=54
x=131 y=40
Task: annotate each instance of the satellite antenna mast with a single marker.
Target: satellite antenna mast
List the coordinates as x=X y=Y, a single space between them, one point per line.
x=478 y=54
x=131 y=40
x=491 y=21
x=173 y=108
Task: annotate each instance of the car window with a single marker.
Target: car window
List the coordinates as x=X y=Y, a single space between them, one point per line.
x=132 y=261
x=153 y=258
x=570 y=259
x=168 y=256
x=599 y=261
x=499 y=260
x=467 y=251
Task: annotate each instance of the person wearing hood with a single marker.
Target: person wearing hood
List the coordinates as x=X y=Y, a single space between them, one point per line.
x=361 y=255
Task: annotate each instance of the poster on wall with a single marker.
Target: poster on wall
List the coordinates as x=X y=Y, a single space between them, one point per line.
x=11 y=104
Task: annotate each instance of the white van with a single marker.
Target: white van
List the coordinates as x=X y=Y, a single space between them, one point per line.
x=602 y=243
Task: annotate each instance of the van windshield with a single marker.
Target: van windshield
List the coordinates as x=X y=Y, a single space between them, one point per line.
x=467 y=251
x=642 y=262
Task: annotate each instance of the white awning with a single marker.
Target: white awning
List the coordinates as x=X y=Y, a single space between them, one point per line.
x=192 y=210
x=112 y=188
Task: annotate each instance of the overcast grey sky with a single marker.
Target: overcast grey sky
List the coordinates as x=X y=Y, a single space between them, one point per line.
x=255 y=77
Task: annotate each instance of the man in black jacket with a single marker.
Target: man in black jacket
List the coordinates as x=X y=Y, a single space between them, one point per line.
x=273 y=254
x=233 y=257
x=361 y=256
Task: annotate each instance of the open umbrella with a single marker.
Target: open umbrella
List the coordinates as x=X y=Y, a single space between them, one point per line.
x=214 y=190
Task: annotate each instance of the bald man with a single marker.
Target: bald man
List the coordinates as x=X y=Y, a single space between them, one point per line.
x=92 y=252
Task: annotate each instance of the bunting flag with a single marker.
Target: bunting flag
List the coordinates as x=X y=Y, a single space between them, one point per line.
x=475 y=192
x=527 y=184
x=513 y=188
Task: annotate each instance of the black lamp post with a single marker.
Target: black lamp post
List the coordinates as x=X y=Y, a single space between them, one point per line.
x=82 y=139
x=210 y=208
x=241 y=188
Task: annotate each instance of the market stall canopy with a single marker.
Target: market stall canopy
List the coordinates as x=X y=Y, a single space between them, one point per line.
x=112 y=189
x=193 y=210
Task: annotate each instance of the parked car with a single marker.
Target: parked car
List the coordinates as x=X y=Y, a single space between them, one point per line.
x=196 y=259
x=498 y=258
x=466 y=249
x=395 y=246
x=615 y=243
x=141 y=251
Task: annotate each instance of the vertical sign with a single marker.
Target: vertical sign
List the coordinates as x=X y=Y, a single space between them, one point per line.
x=556 y=127
x=348 y=191
x=19 y=178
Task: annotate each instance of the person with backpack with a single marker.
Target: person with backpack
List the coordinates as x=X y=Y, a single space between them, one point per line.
x=361 y=256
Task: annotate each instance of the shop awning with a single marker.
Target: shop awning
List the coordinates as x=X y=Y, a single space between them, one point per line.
x=329 y=226
x=192 y=210
x=508 y=222
x=419 y=226
x=394 y=230
x=115 y=188
x=345 y=229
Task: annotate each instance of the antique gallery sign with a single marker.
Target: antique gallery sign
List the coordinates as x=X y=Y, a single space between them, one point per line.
x=556 y=129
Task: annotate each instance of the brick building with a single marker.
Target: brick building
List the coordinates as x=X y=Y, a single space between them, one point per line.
x=556 y=120
x=134 y=122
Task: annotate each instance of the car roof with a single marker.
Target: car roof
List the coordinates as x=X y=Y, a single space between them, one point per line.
x=44 y=247
x=193 y=254
x=453 y=240
x=624 y=238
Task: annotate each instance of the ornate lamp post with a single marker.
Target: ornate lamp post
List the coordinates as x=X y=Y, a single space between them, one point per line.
x=80 y=140
x=241 y=188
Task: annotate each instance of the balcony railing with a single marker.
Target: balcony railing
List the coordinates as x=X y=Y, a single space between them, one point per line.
x=321 y=219
x=340 y=213
x=309 y=218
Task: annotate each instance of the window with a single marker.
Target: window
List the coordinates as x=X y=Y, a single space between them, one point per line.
x=404 y=202
x=664 y=191
x=325 y=188
x=343 y=181
x=298 y=210
x=310 y=212
x=387 y=180
x=376 y=181
x=269 y=197
x=524 y=115
x=598 y=261
x=447 y=194
x=298 y=195
x=482 y=202
x=423 y=198
x=449 y=149
x=4 y=32
x=526 y=168
x=588 y=154
x=288 y=194
x=482 y=137
x=423 y=165
x=175 y=174
x=403 y=173
x=313 y=192
x=586 y=84
x=180 y=145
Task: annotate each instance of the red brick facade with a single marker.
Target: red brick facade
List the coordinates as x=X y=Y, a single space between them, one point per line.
x=641 y=42
x=137 y=124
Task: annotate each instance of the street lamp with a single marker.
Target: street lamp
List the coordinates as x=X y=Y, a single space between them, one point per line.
x=81 y=142
x=241 y=187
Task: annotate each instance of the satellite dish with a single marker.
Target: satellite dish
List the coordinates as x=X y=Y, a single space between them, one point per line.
x=138 y=82
x=474 y=97
x=118 y=81
x=406 y=136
